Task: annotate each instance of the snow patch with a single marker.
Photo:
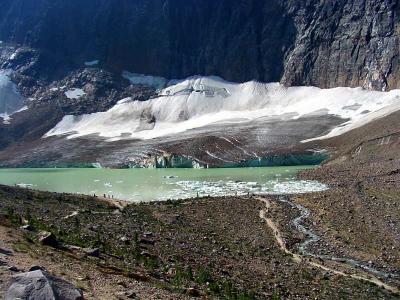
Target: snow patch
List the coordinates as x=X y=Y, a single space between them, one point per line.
x=140 y=79
x=6 y=118
x=14 y=55
x=91 y=63
x=10 y=99
x=202 y=101
x=22 y=109
x=74 y=93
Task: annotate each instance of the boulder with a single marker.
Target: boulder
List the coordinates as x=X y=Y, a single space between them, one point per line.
x=35 y=268
x=6 y=252
x=48 y=239
x=39 y=285
x=26 y=227
x=192 y=292
x=125 y=240
x=128 y=294
x=95 y=252
x=13 y=269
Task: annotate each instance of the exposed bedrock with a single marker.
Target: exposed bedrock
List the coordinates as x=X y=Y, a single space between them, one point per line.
x=345 y=43
x=322 y=43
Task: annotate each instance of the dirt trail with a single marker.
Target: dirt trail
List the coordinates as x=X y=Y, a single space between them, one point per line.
x=277 y=233
x=307 y=259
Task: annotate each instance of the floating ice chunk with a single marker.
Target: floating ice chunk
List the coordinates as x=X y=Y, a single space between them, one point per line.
x=298 y=187
x=25 y=185
x=74 y=93
x=188 y=189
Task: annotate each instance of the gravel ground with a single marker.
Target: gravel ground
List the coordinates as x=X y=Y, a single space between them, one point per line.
x=211 y=248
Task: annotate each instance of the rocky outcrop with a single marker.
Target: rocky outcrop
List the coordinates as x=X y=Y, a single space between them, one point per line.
x=47 y=102
x=323 y=43
x=39 y=284
x=175 y=39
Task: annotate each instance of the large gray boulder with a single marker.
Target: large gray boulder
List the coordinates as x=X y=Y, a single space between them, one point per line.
x=39 y=285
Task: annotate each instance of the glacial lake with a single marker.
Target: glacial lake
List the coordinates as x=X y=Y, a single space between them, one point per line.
x=162 y=184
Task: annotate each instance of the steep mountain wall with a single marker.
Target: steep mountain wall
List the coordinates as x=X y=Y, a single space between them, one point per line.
x=345 y=43
x=324 y=43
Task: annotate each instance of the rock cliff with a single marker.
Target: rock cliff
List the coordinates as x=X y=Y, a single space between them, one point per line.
x=323 y=43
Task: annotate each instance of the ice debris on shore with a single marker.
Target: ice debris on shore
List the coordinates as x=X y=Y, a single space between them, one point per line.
x=189 y=189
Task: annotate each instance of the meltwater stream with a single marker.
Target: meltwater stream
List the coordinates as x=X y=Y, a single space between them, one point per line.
x=162 y=184
x=312 y=237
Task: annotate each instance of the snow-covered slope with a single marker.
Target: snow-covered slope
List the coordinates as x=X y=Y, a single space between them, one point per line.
x=203 y=101
x=10 y=100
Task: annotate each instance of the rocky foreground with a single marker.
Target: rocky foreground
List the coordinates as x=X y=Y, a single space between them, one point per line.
x=208 y=248
x=338 y=244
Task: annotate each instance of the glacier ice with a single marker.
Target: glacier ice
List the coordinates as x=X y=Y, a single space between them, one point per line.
x=203 y=101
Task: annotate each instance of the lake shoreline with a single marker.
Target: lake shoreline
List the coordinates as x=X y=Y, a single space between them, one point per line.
x=137 y=185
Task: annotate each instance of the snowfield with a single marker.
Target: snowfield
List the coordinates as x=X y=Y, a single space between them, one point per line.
x=203 y=101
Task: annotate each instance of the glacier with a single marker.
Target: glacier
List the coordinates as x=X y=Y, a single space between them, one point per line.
x=203 y=102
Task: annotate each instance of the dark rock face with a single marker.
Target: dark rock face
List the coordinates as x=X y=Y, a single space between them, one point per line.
x=179 y=38
x=345 y=43
x=324 y=43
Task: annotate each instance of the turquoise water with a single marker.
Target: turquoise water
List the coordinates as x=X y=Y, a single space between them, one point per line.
x=161 y=184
